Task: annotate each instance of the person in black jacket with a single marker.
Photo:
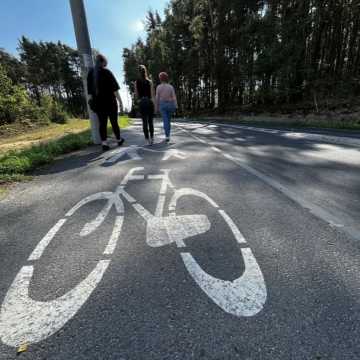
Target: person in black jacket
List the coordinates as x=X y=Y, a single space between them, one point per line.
x=103 y=91
x=145 y=93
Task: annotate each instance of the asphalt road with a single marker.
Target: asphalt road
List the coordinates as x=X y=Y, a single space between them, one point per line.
x=228 y=243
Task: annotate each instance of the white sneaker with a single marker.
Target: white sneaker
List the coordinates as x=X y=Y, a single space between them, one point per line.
x=167 y=139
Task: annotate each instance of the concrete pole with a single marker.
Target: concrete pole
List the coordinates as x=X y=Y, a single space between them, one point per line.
x=87 y=63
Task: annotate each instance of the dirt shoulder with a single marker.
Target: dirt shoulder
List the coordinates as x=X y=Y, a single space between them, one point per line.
x=21 y=136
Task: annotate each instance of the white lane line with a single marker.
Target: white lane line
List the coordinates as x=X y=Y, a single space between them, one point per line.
x=300 y=135
x=201 y=140
x=110 y=248
x=43 y=244
x=238 y=235
x=316 y=210
x=217 y=149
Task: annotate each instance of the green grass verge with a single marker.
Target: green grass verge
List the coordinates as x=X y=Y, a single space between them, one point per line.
x=286 y=122
x=3 y=192
x=15 y=165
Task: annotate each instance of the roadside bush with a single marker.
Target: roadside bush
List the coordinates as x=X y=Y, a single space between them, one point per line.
x=15 y=103
x=54 y=110
x=13 y=98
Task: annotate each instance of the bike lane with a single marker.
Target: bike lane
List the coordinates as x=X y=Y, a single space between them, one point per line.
x=147 y=304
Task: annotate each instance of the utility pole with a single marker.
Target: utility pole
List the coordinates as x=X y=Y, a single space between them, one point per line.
x=87 y=63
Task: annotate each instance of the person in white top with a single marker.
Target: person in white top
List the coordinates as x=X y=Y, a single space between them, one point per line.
x=166 y=102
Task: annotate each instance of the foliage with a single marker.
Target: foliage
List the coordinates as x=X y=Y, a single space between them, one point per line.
x=53 y=69
x=14 y=68
x=43 y=85
x=15 y=102
x=53 y=110
x=222 y=54
x=16 y=164
x=47 y=69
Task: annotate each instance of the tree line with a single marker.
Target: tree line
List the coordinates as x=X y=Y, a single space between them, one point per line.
x=43 y=83
x=248 y=54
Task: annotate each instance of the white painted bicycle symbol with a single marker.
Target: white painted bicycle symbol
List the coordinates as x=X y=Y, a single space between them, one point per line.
x=23 y=319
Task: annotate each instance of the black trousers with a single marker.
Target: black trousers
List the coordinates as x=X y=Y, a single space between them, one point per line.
x=147 y=115
x=110 y=112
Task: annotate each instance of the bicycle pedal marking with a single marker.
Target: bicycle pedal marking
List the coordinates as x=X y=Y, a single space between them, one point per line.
x=23 y=319
x=162 y=231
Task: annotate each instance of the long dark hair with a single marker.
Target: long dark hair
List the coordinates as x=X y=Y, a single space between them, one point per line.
x=100 y=61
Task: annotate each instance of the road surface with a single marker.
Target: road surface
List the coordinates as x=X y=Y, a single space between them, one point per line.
x=230 y=242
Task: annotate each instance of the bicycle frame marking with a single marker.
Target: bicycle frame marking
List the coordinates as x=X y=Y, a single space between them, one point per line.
x=23 y=319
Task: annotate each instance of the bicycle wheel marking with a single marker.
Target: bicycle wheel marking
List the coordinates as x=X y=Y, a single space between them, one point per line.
x=110 y=248
x=23 y=319
x=235 y=230
x=43 y=244
x=244 y=296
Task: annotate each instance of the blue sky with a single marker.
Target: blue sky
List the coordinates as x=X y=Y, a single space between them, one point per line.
x=113 y=24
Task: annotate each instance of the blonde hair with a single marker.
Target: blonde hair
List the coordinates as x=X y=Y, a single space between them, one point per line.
x=143 y=72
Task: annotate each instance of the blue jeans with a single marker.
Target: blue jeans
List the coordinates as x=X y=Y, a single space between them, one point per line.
x=167 y=108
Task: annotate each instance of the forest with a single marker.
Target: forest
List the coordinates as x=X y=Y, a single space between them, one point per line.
x=42 y=84
x=247 y=55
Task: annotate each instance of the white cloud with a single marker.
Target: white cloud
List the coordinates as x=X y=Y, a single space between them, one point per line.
x=137 y=26
x=125 y=97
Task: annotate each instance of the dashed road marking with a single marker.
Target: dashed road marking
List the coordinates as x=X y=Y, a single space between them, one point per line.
x=316 y=210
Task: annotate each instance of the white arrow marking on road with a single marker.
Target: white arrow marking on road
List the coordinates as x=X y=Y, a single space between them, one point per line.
x=133 y=153
x=174 y=153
